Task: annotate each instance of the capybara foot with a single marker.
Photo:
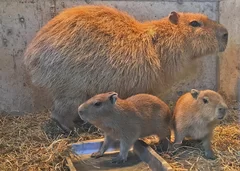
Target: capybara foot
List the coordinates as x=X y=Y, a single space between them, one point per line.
x=210 y=155
x=119 y=159
x=97 y=155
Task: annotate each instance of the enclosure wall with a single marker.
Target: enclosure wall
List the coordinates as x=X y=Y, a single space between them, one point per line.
x=21 y=19
x=229 y=67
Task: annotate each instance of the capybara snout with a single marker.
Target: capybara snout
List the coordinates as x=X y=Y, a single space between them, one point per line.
x=222 y=111
x=222 y=36
x=81 y=111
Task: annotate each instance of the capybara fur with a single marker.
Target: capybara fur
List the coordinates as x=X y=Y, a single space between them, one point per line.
x=88 y=50
x=126 y=120
x=196 y=114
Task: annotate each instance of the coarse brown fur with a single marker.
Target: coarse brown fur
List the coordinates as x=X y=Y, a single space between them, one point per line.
x=89 y=50
x=126 y=120
x=196 y=114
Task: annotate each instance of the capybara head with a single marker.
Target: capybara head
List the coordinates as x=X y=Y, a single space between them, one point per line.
x=98 y=107
x=200 y=35
x=210 y=104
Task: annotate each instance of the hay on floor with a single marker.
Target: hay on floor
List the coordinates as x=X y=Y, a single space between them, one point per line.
x=25 y=146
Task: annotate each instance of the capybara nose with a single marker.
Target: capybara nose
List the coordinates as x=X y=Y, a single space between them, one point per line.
x=225 y=37
x=223 y=33
x=222 y=110
x=80 y=110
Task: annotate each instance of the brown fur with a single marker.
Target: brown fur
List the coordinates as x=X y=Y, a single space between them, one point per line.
x=197 y=119
x=89 y=50
x=127 y=120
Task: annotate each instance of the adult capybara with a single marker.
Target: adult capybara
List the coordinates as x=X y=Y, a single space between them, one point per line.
x=127 y=120
x=196 y=114
x=89 y=50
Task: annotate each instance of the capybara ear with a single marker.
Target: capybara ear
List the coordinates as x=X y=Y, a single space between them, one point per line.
x=173 y=17
x=113 y=97
x=194 y=93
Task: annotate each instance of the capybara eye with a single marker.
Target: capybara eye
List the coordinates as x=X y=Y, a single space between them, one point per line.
x=195 y=24
x=98 y=104
x=205 y=101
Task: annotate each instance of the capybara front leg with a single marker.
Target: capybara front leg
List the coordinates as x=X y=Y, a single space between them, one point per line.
x=107 y=142
x=178 y=138
x=208 y=152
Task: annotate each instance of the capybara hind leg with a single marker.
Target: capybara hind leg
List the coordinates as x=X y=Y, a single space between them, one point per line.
x=165 y=139
x=107 y=142
x=208 y=152
x=125 y=145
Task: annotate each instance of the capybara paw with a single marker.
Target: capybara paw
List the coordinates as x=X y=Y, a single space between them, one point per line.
x=96 y=155
x=118 y=160
x=210 y=155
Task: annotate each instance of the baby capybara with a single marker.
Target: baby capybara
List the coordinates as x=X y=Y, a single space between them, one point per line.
x=127 y=120
x=196 y=114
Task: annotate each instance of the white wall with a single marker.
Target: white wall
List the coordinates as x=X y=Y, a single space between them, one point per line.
x=230 y=60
